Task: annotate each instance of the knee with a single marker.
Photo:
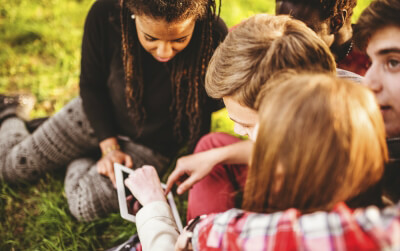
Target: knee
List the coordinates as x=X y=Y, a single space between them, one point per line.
x=76 y=204
x=76 y=186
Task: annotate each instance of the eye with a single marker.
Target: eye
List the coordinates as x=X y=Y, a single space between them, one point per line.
x=150 y=39
x=393 y=63
x=180 y=40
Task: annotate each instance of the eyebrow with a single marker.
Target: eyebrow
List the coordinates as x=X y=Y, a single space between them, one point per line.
x=389 y=50
x=241 y=123
x=157 y=38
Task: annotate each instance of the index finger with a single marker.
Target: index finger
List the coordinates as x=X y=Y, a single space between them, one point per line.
x=111 y=175
x=172 y=178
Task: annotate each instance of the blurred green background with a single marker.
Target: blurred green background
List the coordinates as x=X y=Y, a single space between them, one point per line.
x=40 y=44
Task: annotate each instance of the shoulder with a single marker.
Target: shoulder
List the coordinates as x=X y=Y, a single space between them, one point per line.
x=103 y=18
x=220 y=30
x=104 y=5
x=349 y=75
x=103 y=10
x=220 y=25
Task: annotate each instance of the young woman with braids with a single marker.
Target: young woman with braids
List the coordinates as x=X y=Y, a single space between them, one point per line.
x=142 y=74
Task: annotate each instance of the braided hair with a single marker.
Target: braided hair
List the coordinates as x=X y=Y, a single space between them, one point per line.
x=188 y=67
x=328 y=8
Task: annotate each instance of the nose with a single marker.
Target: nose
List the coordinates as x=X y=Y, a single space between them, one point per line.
x=164 y=50
x=238 y=129
x=372 y=79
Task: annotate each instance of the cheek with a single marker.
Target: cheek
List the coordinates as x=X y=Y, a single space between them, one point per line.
x=238 y=129
x=326 y=37
x=392 y=87
x=145 y=44
x=252 y=132
x=181 y=46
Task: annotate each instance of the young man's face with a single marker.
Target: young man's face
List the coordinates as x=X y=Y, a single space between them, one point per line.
x=244 y=117
x=383 y=76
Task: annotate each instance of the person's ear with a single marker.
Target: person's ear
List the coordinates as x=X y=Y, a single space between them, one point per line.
x=338 y=21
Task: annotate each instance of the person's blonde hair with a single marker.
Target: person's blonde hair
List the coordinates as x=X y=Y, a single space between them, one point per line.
x=259 y=47
x=328 y=137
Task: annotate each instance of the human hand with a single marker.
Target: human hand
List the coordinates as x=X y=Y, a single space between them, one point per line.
x=184 y=242
x=196 y=166
x=145 y=185
x=105 y=165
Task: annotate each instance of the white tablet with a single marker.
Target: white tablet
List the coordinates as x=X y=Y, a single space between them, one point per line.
x=121 y=173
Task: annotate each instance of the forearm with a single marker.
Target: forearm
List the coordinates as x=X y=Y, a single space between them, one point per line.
x=156 y=227
x=237 y=153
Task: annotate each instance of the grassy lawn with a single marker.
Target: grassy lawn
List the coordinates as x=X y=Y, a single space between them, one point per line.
x=40 y=54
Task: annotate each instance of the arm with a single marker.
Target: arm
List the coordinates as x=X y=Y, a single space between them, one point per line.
x=156 y=226
x=94 y=92
x=95 y=65
x=155 y=223
x=198 y=165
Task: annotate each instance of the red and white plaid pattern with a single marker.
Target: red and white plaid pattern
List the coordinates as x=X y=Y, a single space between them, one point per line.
x=340 y=229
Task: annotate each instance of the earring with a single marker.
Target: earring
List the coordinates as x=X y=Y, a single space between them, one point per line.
x=133 y=16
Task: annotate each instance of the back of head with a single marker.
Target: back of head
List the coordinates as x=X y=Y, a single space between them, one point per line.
x=326 y=8
x=379 y=14
x=321 y=140
x=259 y=47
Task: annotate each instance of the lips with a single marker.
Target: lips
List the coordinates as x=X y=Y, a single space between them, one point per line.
x=163 y=59
x=385 y=110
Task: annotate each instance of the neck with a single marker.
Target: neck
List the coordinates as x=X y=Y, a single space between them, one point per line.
x=342 y=44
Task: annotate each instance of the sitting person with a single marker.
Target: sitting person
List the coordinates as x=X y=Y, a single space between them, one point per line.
x=331 y=20
x=324 y=145
x=378 y=33
x=142 y=77
x=288 y=44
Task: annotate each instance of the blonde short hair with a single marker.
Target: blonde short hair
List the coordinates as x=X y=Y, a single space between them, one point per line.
x=259 y=47
x=328 y=136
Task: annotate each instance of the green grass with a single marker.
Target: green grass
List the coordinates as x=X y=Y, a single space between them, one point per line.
x=40 y=54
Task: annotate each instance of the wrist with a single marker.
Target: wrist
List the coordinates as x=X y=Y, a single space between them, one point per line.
x=109 y=149
x=153 y=198
x=109 y=145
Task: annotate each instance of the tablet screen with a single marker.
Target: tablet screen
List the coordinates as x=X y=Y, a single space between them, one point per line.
x=122 y=173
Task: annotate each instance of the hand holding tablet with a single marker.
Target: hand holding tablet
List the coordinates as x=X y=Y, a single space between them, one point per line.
x=148 y=187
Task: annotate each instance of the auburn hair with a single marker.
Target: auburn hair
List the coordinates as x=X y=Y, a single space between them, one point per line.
x=321 y=140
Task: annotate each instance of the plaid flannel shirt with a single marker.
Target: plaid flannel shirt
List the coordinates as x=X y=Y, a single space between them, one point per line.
x=340 y=229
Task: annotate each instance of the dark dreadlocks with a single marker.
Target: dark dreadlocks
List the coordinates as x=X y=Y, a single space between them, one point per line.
x=328 y=8
x=189 y=66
